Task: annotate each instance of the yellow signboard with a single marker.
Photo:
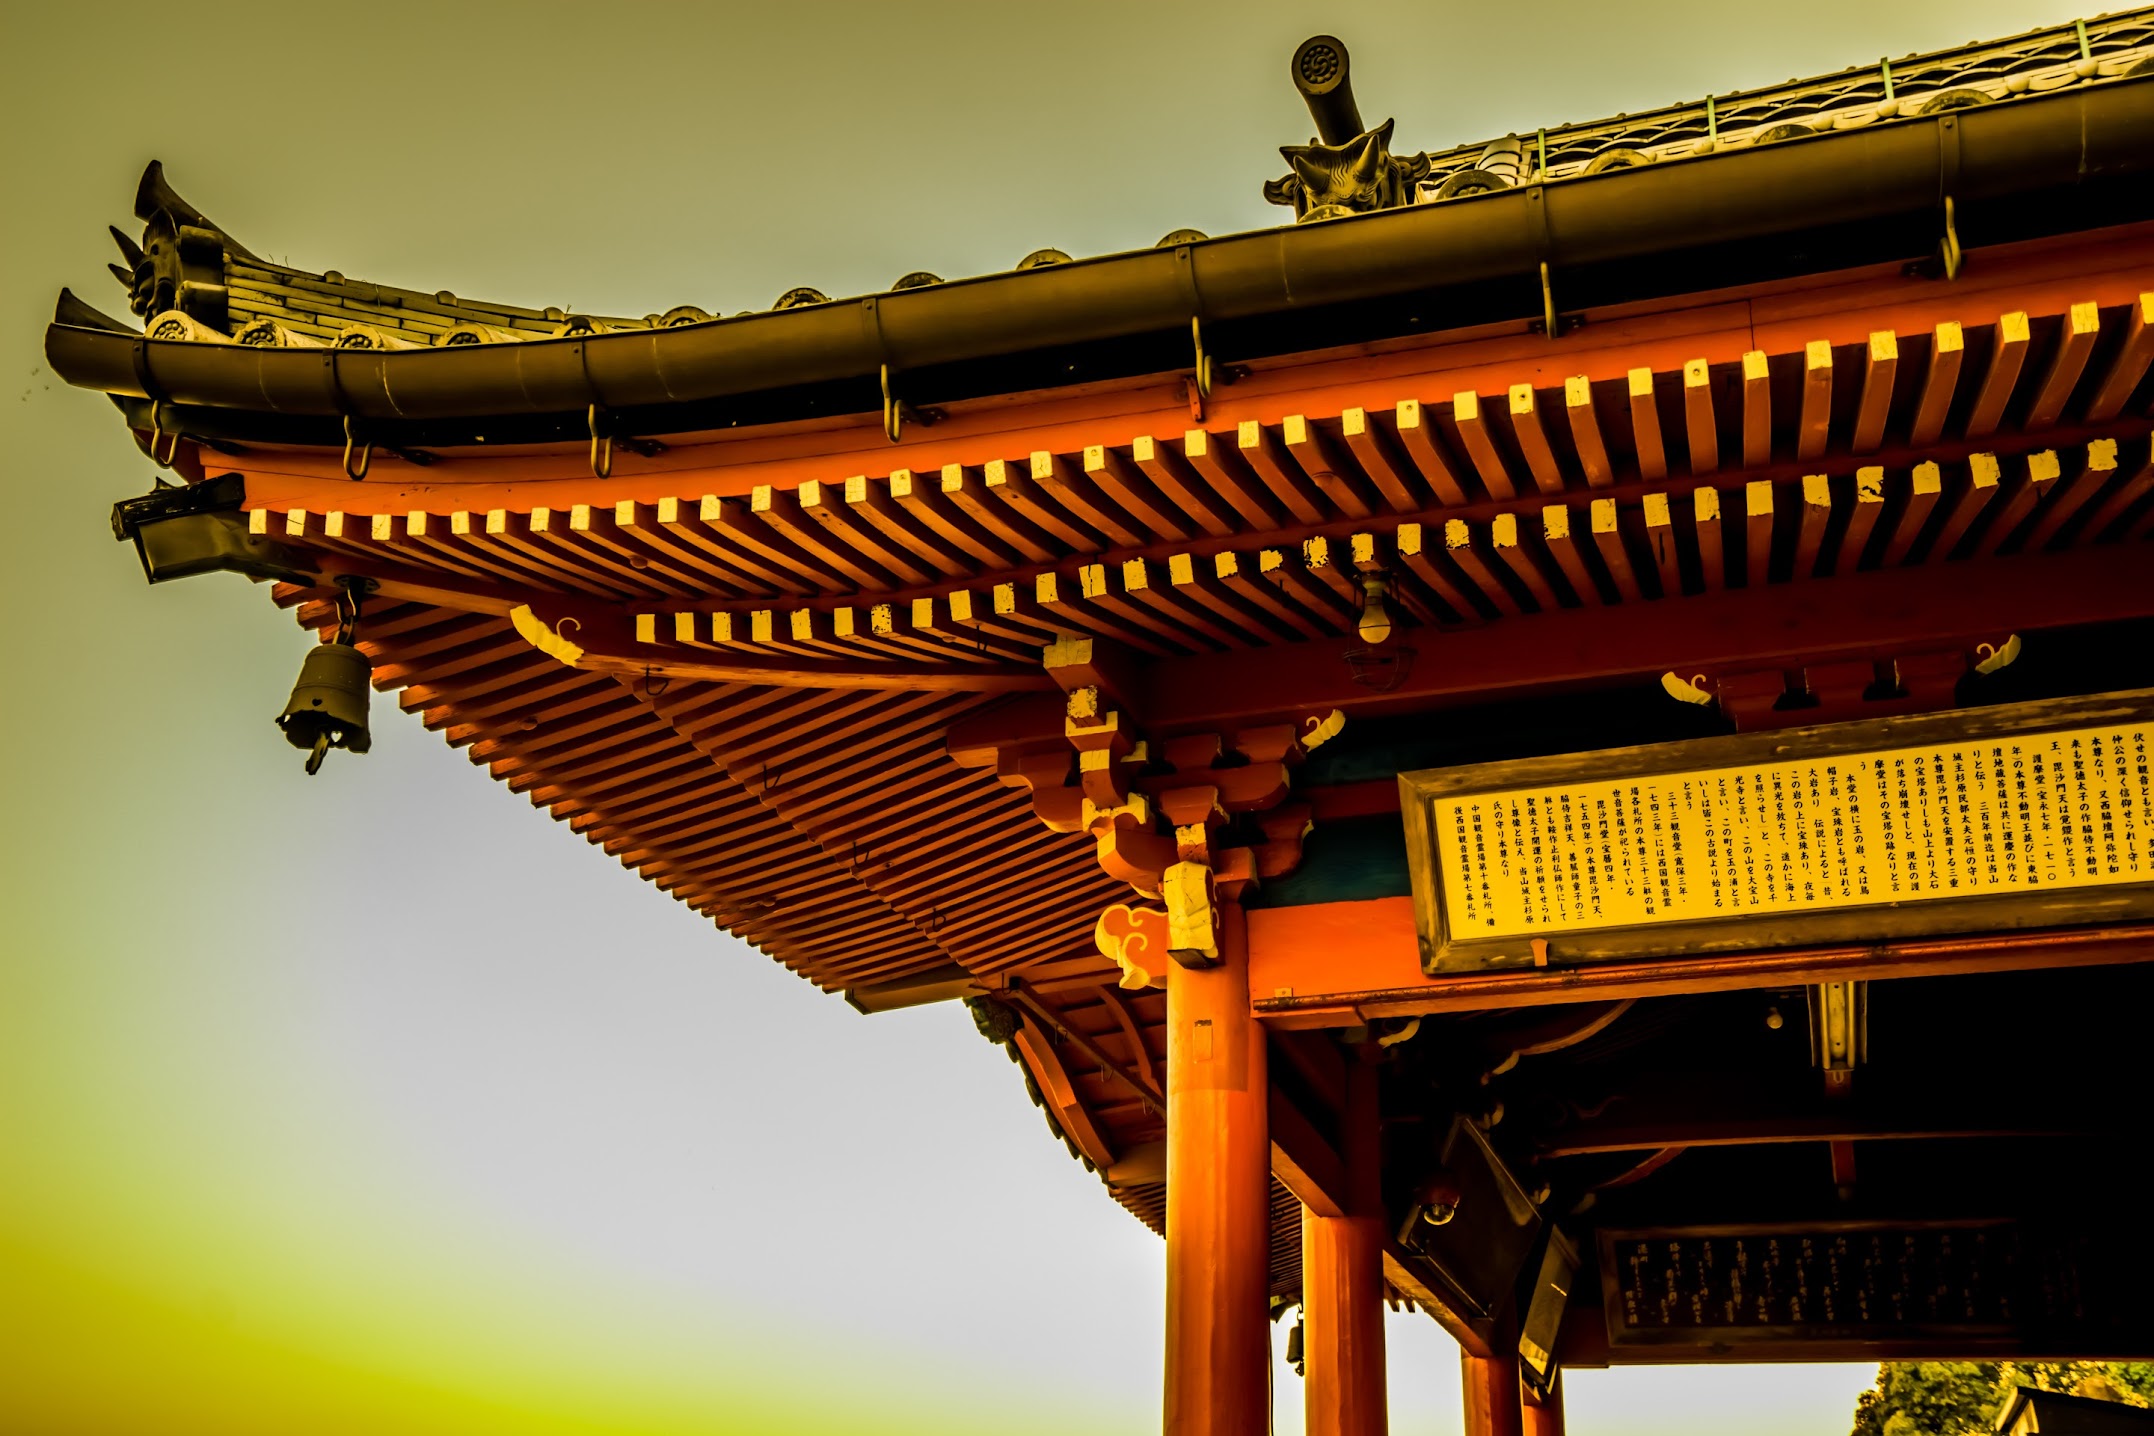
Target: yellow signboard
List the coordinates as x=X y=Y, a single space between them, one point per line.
x=1802 y=823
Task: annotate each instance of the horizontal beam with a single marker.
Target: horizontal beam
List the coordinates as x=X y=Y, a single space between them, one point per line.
x=1769 y=1131
x=1719 y=1108
x=1788 y=625
x=1142 y=1165
x=942 y=984
x=1582 y=1343
x=601 y=638
x=1343 y=964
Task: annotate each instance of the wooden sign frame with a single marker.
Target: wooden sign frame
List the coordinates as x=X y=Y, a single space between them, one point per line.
x=1818 y=1340
x=1443 y=950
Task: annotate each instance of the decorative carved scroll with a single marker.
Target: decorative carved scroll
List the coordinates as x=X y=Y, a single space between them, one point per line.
x=1135 y=939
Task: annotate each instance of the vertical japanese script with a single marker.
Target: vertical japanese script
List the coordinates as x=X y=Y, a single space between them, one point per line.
x=2026 y=812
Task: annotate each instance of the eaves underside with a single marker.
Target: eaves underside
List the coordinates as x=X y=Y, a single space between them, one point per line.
x=1885 y=431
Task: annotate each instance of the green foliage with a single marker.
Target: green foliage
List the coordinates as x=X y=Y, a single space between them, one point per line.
x=1930 y=1398
x=1964 y=1398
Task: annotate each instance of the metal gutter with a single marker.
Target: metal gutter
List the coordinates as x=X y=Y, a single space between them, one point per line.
x=2056 y=163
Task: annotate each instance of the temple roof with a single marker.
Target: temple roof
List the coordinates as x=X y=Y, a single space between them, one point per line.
x=671 y=583
x=2052 y=57
x=1723 y=191
x=2034 y=1412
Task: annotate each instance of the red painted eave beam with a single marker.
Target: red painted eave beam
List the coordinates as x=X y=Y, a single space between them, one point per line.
x=1341 y=964
x=1785 y=625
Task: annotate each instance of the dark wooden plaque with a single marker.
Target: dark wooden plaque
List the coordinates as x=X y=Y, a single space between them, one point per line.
x=2030 y=815
x=1875 y=1288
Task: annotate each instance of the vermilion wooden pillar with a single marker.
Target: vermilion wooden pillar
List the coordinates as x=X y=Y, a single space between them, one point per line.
x=1218 y=1198
x=1491 y=1390
x=1342 y=1282
x=1544 y=1416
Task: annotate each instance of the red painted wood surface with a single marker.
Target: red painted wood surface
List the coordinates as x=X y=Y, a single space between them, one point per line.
x=1341 y=964
x=1854 y=616
x=730 y=599
x=1218 y=1199
x=1544 y=1416
x=1489 y=1385
x=1342 y=1273
x=2110 y=267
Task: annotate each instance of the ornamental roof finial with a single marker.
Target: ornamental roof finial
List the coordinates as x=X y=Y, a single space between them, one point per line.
x=1346 y=168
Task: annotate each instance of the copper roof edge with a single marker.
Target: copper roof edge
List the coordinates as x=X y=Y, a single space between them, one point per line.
x=1830 y=200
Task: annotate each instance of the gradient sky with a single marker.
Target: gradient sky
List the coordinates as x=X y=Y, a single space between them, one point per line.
x=379 y=1102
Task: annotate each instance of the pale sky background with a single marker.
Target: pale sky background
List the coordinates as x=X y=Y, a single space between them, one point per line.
x=380 y=1101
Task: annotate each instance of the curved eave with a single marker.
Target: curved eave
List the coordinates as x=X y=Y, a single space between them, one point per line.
x=2021 y=169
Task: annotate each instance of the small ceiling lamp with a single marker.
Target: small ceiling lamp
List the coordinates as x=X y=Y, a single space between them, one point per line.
x=1374 y=625
x=1374 y=665
x=1436 y=1199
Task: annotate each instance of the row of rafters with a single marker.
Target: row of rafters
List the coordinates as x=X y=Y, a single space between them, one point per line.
x=827 y=828
x=1469 y=455
x=776 y=863
x=1701 y=537
x=1687 y=535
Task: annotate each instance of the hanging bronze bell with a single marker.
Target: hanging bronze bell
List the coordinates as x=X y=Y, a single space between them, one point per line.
x=329 y=703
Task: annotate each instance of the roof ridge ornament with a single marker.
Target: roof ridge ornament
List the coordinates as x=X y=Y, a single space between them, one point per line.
x=1345 y=168
x=180 y=264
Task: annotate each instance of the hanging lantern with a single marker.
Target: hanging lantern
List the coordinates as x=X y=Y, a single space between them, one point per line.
x=328 y=708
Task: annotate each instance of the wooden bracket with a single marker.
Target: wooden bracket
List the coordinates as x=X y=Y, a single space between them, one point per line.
x=1192 y=911
x=1760 y=700
x=1157 y=813
x=1075 y=662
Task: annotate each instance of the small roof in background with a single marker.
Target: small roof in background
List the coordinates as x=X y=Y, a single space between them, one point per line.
x=2052 y=1413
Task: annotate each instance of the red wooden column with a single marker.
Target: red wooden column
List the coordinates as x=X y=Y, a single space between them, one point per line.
x=1543 y=1416
x=1218 y=1198
x=1493 y=1407
x=1342 y=1282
